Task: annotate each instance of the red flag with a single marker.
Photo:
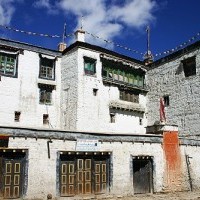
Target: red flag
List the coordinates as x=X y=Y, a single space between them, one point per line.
x=162 y=110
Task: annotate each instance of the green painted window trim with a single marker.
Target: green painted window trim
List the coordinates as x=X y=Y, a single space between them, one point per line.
x=122 y=75
x=89 y=65
x=8 y=64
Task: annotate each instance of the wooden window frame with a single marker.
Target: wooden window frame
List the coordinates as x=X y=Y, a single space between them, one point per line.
x=122 y=75
x=128 y=96
x=47 y=68
x=8 y=64
x=45 y=93
x=89 y=62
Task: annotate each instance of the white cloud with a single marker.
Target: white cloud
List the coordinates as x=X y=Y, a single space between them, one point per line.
x=42 y=3
x=106 y=18
x=6 y=11
x=135 y=13
x=45 y=4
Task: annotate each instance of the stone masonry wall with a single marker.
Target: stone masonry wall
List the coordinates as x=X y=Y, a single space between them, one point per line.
x=184 y=96
x=69 y=93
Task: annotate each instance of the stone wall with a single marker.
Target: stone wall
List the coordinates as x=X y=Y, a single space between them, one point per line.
x=168 y=78
x=69 y=93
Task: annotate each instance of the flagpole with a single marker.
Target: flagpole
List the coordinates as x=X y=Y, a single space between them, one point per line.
x=64 y=33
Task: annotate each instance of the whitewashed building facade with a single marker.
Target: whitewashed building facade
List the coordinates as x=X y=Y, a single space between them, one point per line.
x=81 y=124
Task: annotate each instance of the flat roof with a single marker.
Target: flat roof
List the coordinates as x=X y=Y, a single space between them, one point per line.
x=102 y=50
x=175 y=55
x=30 y=47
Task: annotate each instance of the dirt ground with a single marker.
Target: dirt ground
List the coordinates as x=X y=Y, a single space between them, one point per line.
x=165 y=196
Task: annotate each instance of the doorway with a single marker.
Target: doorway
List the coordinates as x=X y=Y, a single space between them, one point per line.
x=84 y=174
x=142 y=174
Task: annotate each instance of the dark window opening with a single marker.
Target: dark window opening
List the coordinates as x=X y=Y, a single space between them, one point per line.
x=189 y=66
x=4 y=141
x=17 y=116
x=47 y=68
x=112 y=117
x=140 y=121
x=166 y=100
x=8 y=64
x=95 y=91
x=45 y=93
x=129 y=96
x=45 y=119
x=89 y=66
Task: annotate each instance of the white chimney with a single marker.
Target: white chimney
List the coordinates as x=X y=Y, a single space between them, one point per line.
x=80 y=35
x=62 y=46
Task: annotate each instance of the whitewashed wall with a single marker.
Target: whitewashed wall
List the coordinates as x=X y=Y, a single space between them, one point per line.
x=42 y=175
x=22 y=94
x=93 y=111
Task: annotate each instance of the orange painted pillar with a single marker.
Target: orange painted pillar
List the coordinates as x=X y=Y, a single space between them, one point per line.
x=173 y=167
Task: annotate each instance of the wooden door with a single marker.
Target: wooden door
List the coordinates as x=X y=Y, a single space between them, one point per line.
x=67 y=178
x=142 y=176
x=84 y=178
x=101 y=176
x=83 y=175
x=12 y=178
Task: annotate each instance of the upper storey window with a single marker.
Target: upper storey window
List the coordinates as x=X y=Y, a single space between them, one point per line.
x=126 y=76
x=8 y=64
x=129 y=96
x=189 y=66
x=47 y=68
x=89 y=66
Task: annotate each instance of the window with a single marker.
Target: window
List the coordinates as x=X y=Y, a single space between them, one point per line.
x=112 y=117
x=8 y=64
x=45 y=96
x=95 y=91
x=166 y=100
x=140 y=121
x=89 y=66
x=129 y=96
x=122 y=75
x=47 y=68
x=45 y=119
x=17 y=116
x=189 y=66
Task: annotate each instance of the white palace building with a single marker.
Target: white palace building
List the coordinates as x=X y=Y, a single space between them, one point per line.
x=83 y=122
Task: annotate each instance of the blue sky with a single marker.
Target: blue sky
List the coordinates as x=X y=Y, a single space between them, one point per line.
x=172 y=22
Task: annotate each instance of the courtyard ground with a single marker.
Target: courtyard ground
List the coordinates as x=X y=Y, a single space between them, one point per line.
x=164 y=196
